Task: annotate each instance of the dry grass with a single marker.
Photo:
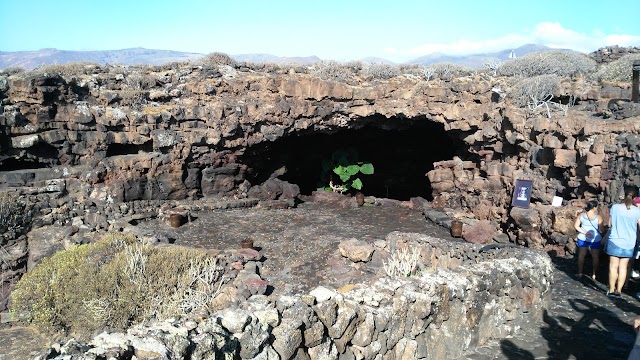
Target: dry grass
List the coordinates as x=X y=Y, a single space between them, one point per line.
x=116 y=282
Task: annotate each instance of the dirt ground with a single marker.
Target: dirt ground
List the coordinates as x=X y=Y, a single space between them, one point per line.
x=300 y=245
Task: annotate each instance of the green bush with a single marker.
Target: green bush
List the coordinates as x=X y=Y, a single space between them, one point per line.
x=115 y=282
x=618 y=70
x=561 y=63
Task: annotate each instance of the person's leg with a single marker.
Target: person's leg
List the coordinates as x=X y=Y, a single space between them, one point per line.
x=595 y=261
x=622 y=274
x=582 y=253
x=614 y=263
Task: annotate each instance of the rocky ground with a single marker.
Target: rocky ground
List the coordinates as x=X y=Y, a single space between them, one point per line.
x=300 y=247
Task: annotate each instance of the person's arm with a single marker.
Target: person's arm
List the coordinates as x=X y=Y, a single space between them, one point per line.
x=600 y=225
x=576 y=225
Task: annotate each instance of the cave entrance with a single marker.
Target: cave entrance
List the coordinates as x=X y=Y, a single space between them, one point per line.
x=402 y=151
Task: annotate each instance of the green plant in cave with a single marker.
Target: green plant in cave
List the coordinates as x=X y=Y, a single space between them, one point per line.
x=345 y=165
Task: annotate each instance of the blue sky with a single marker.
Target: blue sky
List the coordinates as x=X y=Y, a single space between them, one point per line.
x=397 y=30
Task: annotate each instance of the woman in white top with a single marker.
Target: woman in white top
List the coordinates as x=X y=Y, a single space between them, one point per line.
x=589 y=226
x=621 y=242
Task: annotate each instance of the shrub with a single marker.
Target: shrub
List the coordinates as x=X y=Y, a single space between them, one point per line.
x=561 y=63
x=138 y=81
x=355 y=66
x=115 y=282
x=402 y=263
x=331 y=70
x=67 y=69
x=618 y=70
x=535 y=91
x=492 y=64
x=412 y=69
x=13 y=70
x=382 y=71
x=447 y=71
x=218 y=58
x=14 y=217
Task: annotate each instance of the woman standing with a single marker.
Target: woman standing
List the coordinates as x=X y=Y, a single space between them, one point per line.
x=623 y=223
x=588 y=225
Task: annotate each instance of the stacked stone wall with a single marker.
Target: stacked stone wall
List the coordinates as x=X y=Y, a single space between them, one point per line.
x=464 y=296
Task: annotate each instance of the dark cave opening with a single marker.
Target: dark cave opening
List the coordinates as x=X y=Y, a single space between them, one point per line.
x=129 y=149
x=38 y=156
x=402 y=151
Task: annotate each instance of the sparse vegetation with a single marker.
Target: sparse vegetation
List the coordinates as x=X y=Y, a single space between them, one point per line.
x=618 y=70
x=382 y=71
x=13 y=70
x=492 y=64
x=138 y=81
x=116 y=282
x=331 y=70
x=67 y=69
x=402 y=263
x=219 y=58
x=535 y=92
x=447 y=71
x=561 y=63
x=14 y=217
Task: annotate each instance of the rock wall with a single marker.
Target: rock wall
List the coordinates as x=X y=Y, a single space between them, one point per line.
x=611 y=53
x=464 y=296
x=160 y=133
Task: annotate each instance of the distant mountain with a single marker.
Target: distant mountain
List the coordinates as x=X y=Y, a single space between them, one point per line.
x=273 y=59
x=476 y=60
x=32 y=59
x=377 y=60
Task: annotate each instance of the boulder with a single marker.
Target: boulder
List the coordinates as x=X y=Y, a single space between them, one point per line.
x=481 y=232
x=356 y=250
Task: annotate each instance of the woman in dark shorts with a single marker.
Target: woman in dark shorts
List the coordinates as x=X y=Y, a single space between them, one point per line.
x=621 y=242
x=589 y=225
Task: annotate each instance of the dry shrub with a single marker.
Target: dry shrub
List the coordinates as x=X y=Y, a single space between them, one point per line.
x=67 y=69
x=137 y=80
x=12 y=70
x=447 y=71
x=618 y=70
x=116 y=282
x=561 y=63
x=14 y=216
x=331 y=70
x=412 y=69
x=218 y=58
x=534 y=91
x=382 y=71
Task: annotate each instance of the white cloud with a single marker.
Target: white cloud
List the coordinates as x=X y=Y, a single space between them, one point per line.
x=551 y=34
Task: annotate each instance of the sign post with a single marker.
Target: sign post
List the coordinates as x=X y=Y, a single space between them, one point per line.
x=636 y=81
